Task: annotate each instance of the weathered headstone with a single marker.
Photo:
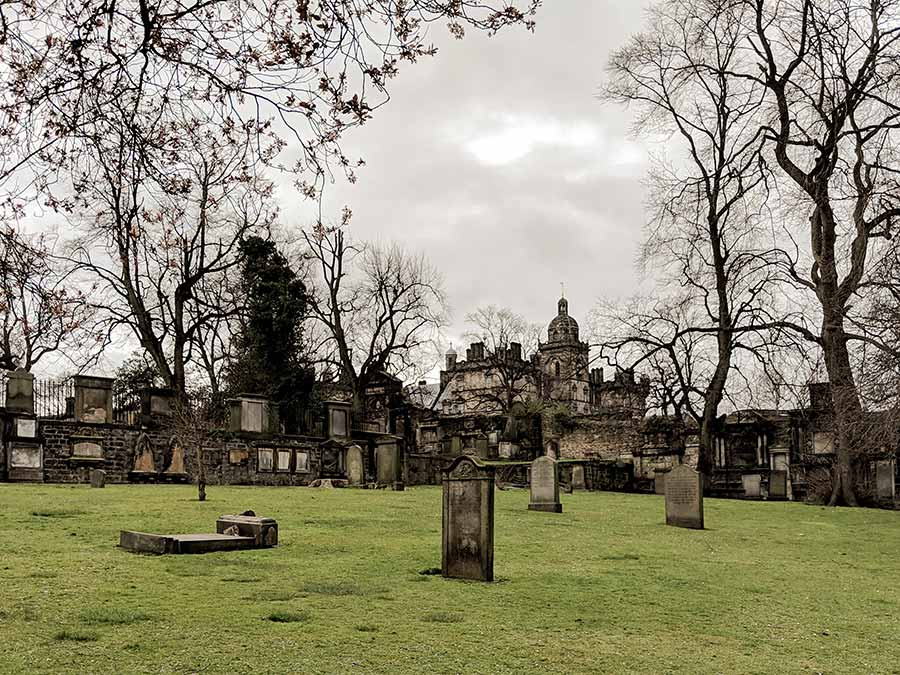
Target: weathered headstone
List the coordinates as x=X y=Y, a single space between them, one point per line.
x=355 y=466
x=659 y=481
x=884 y=479
x=143 y=455
x=467 y=551
x=684 y=497
x=751 y=483
x=98 y=478
x=578 y=478
x=544 y=486
x=176 y=458
x=387 y=460
x=778 y=485
x=20 y=391
x=93 y=399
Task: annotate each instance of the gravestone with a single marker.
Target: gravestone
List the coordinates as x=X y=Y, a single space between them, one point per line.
x=387 y=461
x=355 y=466
x=578 y=478
x=778 y=485
x=467 y=550
x=544 y=486
x=659 y=481
x=751 y=483
x=551 y=449
x=143 y=455
x=98 y=478
x=884 y=479
x=684 y=497
x=176 y=458
x=20 y=391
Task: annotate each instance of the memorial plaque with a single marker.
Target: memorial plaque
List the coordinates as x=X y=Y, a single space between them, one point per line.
x=505 y=449
x=26 y=427
x=355 y=466
x=467 y=551
x=338 y=426
x=778 y=485
x=544 y=486
x=84 y=448
x=684 y=498
x=284 y=460
x=301 y=461
x=25 y=457
x=885 y=473
x=265 y=459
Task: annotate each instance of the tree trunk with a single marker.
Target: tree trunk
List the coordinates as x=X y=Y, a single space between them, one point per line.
x=847 y=408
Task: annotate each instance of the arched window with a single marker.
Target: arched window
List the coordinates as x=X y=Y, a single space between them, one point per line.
x=556 y=368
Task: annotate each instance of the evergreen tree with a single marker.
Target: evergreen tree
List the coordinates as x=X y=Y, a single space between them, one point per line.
x=268 y=357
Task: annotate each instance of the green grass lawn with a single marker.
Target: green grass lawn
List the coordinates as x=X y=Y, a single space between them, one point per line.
x=603 y=587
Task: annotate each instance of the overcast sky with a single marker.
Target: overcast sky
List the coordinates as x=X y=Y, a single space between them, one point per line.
x=496 y=159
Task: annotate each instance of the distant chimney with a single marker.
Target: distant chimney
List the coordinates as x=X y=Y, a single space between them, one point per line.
x=515 y=351
x=476 y=349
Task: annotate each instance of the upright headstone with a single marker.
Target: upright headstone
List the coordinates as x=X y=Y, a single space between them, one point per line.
x=387 y=461
x=659 y=481
x=467 y=550
x=355 y=467
x=20 y=391
x=885 y=472
x=544 y=486
x=143 y=455
x=684 y=497
x=98 y=478
x=751 y=484
x=778 y=485
x=578 y=477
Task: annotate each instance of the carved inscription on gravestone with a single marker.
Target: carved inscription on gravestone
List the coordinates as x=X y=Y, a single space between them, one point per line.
x=684 y=498
x=468 y=521
x=778 y=485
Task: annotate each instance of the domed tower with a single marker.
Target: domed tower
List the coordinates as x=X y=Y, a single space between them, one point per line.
x=563 y=329
x=564 y=362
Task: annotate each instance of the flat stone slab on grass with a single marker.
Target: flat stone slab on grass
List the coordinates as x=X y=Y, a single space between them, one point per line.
x=161 y=544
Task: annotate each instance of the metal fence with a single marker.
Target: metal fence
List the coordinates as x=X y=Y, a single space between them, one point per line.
x=54 y=399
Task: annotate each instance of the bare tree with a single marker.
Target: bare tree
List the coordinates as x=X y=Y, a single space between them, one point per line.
x=299 y=69
x=163 y=240
x=704 y=205
x=381 y=307
x=829 y=69
x=42 y=312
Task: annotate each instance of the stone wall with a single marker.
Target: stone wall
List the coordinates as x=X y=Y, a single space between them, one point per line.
x=601 y=438
x=228 y=458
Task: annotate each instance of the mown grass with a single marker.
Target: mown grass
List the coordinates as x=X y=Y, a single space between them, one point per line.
x=603 y=587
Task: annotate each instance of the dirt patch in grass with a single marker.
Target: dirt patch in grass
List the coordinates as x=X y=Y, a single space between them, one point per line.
x=287 y=617
x=331 y=588
x=112 y=616
x=75 y=636
x=60 y=513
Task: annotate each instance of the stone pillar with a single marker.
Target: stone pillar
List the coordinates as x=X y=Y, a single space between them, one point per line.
x=93 y=399
x=20 y=391
x=467 y=550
